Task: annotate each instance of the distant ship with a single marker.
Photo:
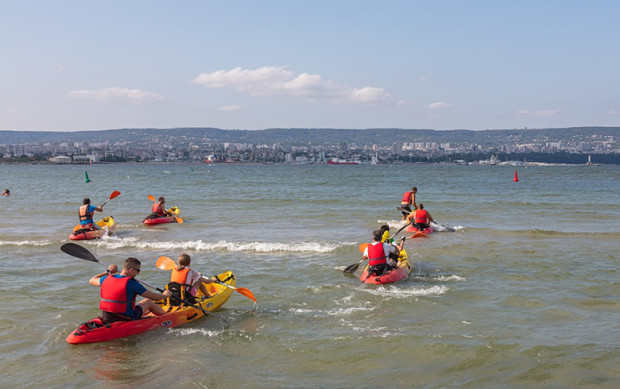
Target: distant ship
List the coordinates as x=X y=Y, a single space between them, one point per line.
x=210 y=159
x=336 y=161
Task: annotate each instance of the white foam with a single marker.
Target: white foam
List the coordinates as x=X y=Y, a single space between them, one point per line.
x=193 y=331
x=27 y=243
x=393 y=291
x=200 y=245
x=450 y=278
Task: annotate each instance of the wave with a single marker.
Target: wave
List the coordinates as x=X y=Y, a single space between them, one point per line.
x=28 y=243
x=200 y=245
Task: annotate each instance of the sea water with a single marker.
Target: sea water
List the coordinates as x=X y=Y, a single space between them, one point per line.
x=524 y=292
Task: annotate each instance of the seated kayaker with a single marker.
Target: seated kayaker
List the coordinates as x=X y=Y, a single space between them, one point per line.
x=378 y=254
x=118 y=294
x=421 y=217
x=385 y=238
x=86 y=212
x=159 y=209
x=189 y=280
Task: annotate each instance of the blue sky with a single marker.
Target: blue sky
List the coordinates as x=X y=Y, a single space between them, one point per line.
x=87 y=65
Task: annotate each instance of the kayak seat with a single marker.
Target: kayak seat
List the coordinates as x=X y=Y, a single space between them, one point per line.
x=178 y=295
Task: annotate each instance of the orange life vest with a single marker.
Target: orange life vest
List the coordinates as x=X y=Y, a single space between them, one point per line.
x=407 y=197
x=156 y=208
x=114 y=295
x=376 y=255
x=420 y=216
x=179 y=276
x=84 y=214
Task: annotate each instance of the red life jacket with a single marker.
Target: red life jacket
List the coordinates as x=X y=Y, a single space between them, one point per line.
x=407 y=197
x=420 y=216
x=114 y=294
x=156 y=208
x=179 y=276
x=84 y=214
x=376 y=255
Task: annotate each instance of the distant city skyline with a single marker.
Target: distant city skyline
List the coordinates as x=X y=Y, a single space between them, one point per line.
x=69 y=65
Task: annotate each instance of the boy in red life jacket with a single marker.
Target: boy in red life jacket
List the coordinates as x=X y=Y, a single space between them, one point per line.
x=191 y=279
x=407 y=201
x=378 y=254
x=421 y=218
x=118 y=293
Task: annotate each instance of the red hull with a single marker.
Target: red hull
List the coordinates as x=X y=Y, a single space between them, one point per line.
x=417 y=233
x=160 y=220
x=397 y=274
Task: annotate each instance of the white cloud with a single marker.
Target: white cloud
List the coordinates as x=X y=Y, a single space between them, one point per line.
x=438 y=105
x=229 y=108
x=612 y=112
x=539 y=113
x=125 y=95
x=425 y=78
x=280 y=81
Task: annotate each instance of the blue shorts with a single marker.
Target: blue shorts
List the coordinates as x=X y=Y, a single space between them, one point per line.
x=137 y=312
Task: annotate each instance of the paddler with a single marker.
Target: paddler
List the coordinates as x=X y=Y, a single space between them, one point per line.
x=408 y=201
x=86 y=212
x=378 y=254
x=159 y=209
x=190 y=279
x=421 y=218
x=118 y=293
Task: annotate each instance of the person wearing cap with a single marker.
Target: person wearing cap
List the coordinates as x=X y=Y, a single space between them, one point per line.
x=379 y=253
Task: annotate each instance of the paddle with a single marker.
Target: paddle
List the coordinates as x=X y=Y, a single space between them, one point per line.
x=112 y=196
x=83 y=253
x=165 y=263
x=178 y=219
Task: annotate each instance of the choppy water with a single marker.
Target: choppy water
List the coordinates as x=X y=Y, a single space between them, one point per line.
x=524 y=293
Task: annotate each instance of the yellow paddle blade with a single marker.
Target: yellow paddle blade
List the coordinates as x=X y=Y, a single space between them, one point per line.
x=363 y=246
x=151 y=197
x=165 y=263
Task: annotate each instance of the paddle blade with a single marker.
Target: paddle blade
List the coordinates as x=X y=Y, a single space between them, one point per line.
x=179 y=220
x=363 y=246
x=78 y=227
x=114 y=195
x=419 y=234
x=352 y=268
x=165 y=263
x=151 y=197
x=78 y=251
x=247 y=293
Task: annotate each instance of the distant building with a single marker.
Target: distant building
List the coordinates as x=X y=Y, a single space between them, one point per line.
x=60 y=159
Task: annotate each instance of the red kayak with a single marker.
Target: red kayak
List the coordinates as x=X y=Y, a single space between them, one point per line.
x=401 y=272
x=164 y=219
x=107 y=226
x=417 y=233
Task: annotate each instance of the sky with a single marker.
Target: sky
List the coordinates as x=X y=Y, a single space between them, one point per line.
x=443 y=65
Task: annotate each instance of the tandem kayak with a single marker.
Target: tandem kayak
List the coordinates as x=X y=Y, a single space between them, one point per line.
x=401 y=272
x=107 y=226
x=149 y=220
x=95 y=330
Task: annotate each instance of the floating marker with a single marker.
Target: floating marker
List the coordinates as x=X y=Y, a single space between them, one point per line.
x=192 y=169
x=86 y=179
x=516 y=179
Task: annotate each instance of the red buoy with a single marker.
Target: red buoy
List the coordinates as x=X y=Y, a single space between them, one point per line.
x=516 y=179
